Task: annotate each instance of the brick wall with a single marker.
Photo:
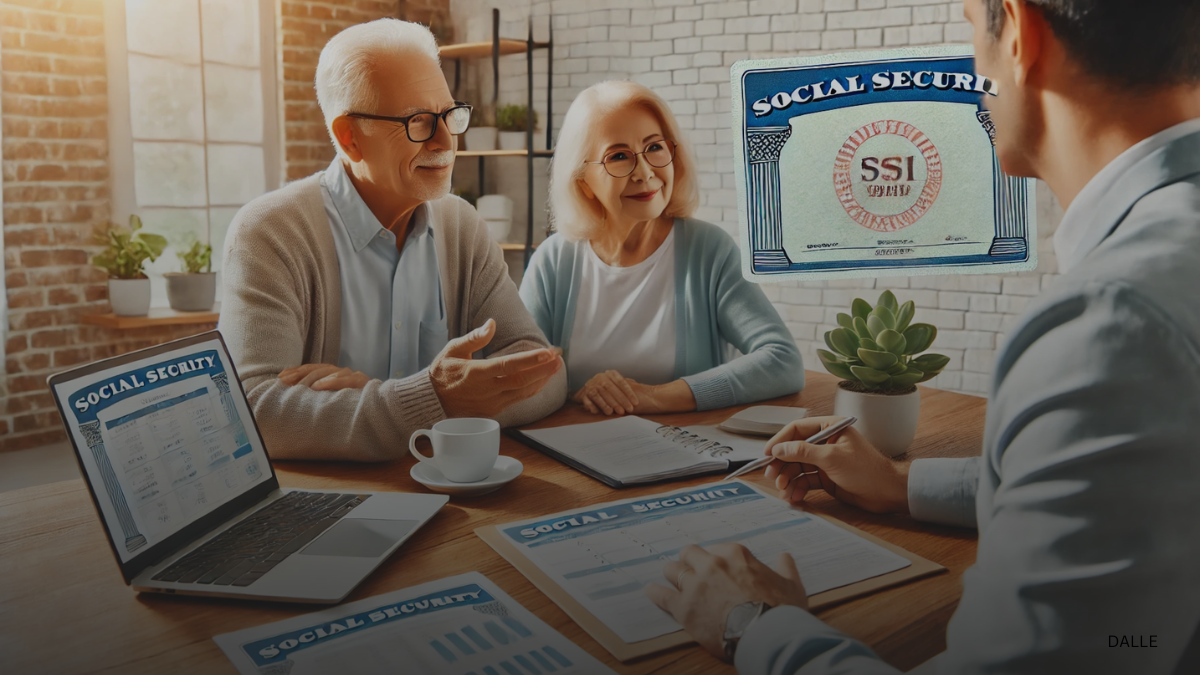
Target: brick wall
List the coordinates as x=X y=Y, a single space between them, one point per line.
x=305 y=28
x=55 y=171
x=683 y=50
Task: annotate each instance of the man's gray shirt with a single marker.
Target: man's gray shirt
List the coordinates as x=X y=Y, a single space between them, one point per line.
x=1088 y=487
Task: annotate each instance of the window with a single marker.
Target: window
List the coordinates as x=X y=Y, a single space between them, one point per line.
x=193 y=126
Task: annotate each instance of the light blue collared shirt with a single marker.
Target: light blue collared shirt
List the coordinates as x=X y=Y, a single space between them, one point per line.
x=1085 y=494
x=393 y=313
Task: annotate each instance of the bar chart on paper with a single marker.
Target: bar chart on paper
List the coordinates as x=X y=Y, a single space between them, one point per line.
x=458 y=626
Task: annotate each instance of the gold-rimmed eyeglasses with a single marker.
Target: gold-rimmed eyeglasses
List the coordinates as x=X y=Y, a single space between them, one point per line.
x=621 y=163
x=422 y=126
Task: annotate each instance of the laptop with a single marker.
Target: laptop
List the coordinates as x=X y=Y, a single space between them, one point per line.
x=180 y=478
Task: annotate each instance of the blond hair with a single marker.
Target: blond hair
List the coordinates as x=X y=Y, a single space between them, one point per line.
x=572 y=213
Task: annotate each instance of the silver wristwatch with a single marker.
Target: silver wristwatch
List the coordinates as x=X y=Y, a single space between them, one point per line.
x=738 y=621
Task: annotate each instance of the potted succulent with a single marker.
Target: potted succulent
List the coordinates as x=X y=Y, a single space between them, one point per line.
x=481 y=134
x=513 y=122
x=877 y=353
x=195 y=289
x=127 y=250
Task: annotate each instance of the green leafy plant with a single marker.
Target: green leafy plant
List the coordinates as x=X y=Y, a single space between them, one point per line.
x=877 y=347
x=196 y=259
x=128 y=249
x=514 y=118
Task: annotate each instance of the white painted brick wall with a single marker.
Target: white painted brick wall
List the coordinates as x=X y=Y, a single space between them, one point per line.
x=683 y=49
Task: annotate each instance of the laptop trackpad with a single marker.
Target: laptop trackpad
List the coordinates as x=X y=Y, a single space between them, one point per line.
x=360 y=538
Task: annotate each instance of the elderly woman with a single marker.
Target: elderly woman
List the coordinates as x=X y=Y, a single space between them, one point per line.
x=642 y=298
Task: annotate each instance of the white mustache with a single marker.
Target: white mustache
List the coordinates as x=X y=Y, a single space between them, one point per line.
x=435 y=159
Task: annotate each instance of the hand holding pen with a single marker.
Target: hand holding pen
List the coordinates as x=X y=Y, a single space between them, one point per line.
x=847 y=466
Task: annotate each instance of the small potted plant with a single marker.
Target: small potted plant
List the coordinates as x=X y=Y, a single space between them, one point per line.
x=513 y=122
x=875 y=352
x=127 y=250
x=195 y=289
x=481 y=134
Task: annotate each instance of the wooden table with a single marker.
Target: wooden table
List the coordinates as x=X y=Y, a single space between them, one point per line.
x=64 y=608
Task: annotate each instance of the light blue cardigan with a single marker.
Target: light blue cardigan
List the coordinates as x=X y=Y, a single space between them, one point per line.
x=712 y=301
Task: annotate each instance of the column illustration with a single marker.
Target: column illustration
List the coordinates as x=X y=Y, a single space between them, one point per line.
x=1011 y=203
x=91 y=433
x=766 y=227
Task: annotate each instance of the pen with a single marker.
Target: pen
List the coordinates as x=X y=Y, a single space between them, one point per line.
x=815 y=438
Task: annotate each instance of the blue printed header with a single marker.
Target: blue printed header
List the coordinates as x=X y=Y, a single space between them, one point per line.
x=579 y=523
x=279 y=647
x=89 y=401
x=774 y=96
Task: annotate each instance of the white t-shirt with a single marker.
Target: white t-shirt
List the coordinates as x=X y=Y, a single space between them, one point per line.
x=625 y=319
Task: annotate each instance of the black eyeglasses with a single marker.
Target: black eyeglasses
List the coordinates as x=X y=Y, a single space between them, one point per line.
x=621 y=163
x=422 y=126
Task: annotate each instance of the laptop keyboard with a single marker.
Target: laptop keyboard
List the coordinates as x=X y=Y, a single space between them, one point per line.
x=240 y=555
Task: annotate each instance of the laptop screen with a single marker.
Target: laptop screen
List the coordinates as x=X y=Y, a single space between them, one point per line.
x=164 y=440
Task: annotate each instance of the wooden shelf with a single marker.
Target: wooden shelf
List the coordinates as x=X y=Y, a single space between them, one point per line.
x=468 y=50
x=515 y=247
x=158 y=316
x=503 y=153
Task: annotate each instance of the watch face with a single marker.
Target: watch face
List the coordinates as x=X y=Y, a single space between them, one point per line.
x=739 y=618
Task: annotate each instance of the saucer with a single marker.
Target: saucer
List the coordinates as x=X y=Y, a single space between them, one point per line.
x=505 y=469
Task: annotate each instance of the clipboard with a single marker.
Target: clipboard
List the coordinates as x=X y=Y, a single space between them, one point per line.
x=628 y=651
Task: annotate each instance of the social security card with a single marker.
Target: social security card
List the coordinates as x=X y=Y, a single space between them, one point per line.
x=870 y=164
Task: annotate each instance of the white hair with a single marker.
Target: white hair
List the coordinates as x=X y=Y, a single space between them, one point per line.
x=349 y=59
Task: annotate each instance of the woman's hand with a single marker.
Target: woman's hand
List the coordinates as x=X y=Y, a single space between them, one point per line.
x=608 y=393
x=324 y=377
x=611 y=393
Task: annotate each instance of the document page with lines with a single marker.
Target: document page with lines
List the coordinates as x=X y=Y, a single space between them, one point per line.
x=604 y=555
x=462 y=625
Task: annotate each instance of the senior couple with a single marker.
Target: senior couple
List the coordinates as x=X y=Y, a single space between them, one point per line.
x=362 y=303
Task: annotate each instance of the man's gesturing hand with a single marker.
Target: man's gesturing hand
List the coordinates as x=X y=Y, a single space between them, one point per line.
x=482 y=388
x=847 y=466
x=706 y=585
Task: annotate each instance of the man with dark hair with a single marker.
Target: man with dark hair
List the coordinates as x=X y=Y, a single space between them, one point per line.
x=1087 y=491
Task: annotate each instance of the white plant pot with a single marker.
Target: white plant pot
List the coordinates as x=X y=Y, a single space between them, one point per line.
x=192 y=292
x=480 y=139
x=889 y=422
x=499 y=230
x=512 y=140
x=129 y=297
x=494 y=207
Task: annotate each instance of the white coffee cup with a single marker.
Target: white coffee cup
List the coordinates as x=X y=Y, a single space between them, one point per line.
x=464 y=449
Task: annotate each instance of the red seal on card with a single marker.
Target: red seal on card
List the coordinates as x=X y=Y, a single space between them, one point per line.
x=887 y=175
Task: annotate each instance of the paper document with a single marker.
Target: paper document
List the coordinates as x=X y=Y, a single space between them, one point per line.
x=604 y=556
x=456 y=626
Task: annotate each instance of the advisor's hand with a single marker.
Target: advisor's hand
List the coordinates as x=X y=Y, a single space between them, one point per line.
x=847 y=466
x=608 y=393
x=324 y=377
x=468 y=387
x=706 y=585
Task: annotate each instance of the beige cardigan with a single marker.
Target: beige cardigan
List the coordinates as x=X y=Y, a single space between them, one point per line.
x=281 y=307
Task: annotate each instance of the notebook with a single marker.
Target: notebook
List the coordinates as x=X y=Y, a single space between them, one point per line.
x=632 y=450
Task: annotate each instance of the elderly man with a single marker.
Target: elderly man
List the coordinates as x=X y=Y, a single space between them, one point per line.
x=1085 y=496
x=355 y=298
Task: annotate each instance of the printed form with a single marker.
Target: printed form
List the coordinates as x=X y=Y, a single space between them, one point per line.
x=461 y=625
x=604 y=556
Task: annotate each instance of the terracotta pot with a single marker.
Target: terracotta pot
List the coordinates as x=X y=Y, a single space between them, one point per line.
x=129 y=297
x=191 y=292
x=888 y=421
